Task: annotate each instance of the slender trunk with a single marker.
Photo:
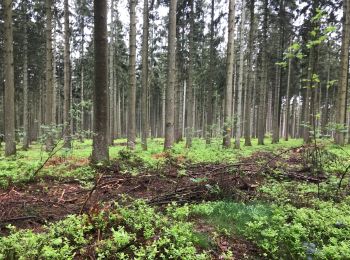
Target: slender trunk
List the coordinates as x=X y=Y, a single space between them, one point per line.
x=276 y=101
x=82 y=100
x=100 y=96
x=286 y=121
x=343 y=77
x=190 y=114
x=67 y=82
x=211 y=97
x=240 y=80
x=229 y=76
x=249 y=87
x=263 y=87
x=25 y=83
x=49 y=122
x=9 y=104
x=132 y=78
x=169 y=96
x=144 y=79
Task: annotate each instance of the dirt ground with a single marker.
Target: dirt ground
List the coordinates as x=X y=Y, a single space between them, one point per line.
x=48 y=199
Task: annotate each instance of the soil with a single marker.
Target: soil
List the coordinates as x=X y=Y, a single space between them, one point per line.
x=48 y=199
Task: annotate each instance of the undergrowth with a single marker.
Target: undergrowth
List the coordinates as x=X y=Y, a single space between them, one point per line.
x=136 y=231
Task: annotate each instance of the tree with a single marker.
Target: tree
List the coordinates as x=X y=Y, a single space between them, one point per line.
x=144 y=79
x=263 y=86
x=49 y=120
x=132 y=78
x=211 y=97
x=9 y=105
x=240 y=80
x=100 y=151
x=67 y=80
x=343 y=76
x=170 y=88
x=190 y=114
x=229 y=75
x=249 y=87
x=25 y=80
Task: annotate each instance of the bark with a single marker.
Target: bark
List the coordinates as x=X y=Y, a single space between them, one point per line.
x=132 y=78
x=287 y=119
x=144 y=79
x=25 y=83
x=263 y=87
x=240 y=80
x=49 y=120
x=82 y=85
x=100 y=96
x=249 y=87
x=189 y=107
x=229 y=76
x=111 y=77
x=67 y=81
x=343 y=77
x=189 y=130
x=307 y=106
x=170 y=88
x=9 y=102
x=211 y=97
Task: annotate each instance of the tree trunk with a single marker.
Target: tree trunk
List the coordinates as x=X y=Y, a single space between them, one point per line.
x=25 y=83
x=132 y=78
x=144 y=79
x=67 y=80
x=249 y=87
x=189 y=129
x=111 y=77
x=229 y=75
x=263 y=87
x=100 y=96
x=49 y=121
x=287 y=119
x=211 y=97
x=170 y=89
x=240 y=80
x=343 y=77
x=9 y=104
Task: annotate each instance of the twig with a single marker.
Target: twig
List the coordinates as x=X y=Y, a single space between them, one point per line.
x=275 y=157
x=51 y=154
x=90 y=193
x=17 y=219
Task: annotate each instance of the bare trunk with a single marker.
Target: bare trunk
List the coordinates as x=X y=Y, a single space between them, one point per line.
x=249 y=87
x=25 y=84
x=190 y=119
x=229 y=76
x=144 y=79
x=9 y=107
x=169 y=95
x=343 y=77
x=100 y=96
x=263 y=86
x=211 y=98
x=49 y=121
x=240 y=80
x=67 y=81
x=132 y=78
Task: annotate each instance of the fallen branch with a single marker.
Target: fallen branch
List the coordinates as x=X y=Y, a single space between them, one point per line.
x=90 y=193
x=51 y=154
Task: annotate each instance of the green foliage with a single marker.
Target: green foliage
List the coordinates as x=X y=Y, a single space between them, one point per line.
x=16 y=170
x=292 y=233
x=134 y=232
x=60 y=241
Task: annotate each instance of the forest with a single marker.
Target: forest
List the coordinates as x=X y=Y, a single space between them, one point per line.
x=174 y=129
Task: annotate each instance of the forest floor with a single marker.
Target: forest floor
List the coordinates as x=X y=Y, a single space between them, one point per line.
x=275 y=201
